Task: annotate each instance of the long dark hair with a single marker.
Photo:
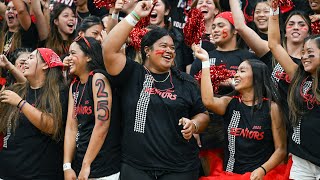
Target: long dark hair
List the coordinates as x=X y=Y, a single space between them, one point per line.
x=167 y=17
x=50 y=92
x=262 y=84
x=295 y=100
x=94 y=52
x=55 y=40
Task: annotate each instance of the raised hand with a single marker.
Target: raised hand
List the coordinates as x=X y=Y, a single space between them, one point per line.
x=200 y=53
x=143 y=8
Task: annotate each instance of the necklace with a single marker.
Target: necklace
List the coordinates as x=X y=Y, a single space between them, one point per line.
x=75 y=106
x=148 y=71
x=8 y=44
x=162 y=81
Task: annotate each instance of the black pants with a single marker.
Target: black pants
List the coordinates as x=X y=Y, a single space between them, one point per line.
x=128 y=172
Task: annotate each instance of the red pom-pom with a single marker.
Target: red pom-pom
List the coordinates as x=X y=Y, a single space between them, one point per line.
x=194 y=28
x=285 y=5
x=136 y=36
x=3 y=81
x=104 y=3
x=218 y=74
x=315 y=26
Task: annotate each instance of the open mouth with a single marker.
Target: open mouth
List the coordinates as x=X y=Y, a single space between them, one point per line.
x=11 y=17
x=70 y=25
x=153 y=15
x=204 y=11
x=295 y=34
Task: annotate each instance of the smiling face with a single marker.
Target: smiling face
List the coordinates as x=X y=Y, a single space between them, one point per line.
x=65 y=22
x=243 y=79
x=296 y=29
x=78 y=60
x=221 y=31
x=20 y=61
x=207 y=8
x=315 y=5
x=310 y=57
x=261 y=16
x=34 y=65
x=161 y=54
x=11 y=16
x=94 y=32
x=158 y=14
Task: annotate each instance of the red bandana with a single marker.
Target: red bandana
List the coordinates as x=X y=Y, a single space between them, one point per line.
x=50 y=57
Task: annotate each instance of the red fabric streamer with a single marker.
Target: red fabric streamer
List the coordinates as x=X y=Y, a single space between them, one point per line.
x=218 y=74
x=104 y=3
x=285 y=5
x=194 y=28
x=315 y=26
x=136 y=36
x=3 y=81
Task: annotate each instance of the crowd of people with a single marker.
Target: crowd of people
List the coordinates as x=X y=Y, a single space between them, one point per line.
x=115 y=92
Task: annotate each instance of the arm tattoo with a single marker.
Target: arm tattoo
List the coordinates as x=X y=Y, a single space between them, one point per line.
x=102 y=104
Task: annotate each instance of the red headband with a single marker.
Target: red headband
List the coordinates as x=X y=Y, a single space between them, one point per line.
x=226 y=15
x=50 y=57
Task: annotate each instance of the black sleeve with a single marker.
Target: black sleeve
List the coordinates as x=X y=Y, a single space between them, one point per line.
x=267 y=59
x=95 y=11
x=198 y=106
x=122 y=78
x=195 y=67
x=30 y=37
x=187 y=54
x=64 y=96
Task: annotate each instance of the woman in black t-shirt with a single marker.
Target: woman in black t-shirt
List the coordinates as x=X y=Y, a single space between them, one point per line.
x=162 y=106
x=32 y=117
x=254 y=128
x=92 y=137
x=303 y=101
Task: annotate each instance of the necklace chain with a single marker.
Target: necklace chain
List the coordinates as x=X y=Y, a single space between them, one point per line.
x=76 y=107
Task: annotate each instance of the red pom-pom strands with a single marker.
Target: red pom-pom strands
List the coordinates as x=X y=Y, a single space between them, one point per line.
x=285 y=5
x=194 y=28
x=136 y=36
x=218 y=74
x=140 y=30
x=315 y=26
x=104 y=3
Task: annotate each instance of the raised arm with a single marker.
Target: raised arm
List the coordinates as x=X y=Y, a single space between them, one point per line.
x=17 y=74
x=280 y=143
x=114 y=17
x=217 y=105
x=253 y=40
x=42 y=25
x=3 y=8
x=70 y=138
x=23 y=14
x=114 y=60
x=279 y=53
x=102 y=97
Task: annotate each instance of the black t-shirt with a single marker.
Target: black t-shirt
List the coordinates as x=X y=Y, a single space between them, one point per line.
x=30 y=38
x=156 y=143
x=107 y=162
x=206 y=44
x=304 y=140
x=250 y=140
x=28 y=153
x=232 y=59
x=178 y=17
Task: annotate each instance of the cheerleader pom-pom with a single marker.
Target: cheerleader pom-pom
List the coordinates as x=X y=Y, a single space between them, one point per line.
x=104 y=3
x=315 y=26
x=136 y=36
x=285 y=5
x=194 y=28
x=218 y=74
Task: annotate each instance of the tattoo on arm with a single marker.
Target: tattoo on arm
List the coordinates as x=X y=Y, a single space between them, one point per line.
x=102 y=104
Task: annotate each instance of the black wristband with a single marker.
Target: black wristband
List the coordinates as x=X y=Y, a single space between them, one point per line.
x=265 y=172
x=18 y=106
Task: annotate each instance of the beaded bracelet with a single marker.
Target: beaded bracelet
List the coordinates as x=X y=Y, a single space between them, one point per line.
x=196 y=126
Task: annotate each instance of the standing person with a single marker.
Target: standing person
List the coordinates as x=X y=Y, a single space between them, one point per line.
x=253 y=125
x=163 y=105
x=303 y=101
x=62 y=25
x=92 y=137
x=33 y=127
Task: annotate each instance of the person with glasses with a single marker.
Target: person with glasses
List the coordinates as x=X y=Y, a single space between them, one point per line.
x=32 y=118
x=92 y=136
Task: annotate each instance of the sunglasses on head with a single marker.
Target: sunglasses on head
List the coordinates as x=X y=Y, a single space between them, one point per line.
x=84 y=38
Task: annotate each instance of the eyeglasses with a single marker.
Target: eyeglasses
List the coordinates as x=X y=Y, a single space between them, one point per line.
x=84 y=38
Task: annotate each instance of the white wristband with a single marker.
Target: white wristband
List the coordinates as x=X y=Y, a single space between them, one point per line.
x=205 y=64
x=66 y=166
x=115 y=16
x=131 y=20
x=274 y=13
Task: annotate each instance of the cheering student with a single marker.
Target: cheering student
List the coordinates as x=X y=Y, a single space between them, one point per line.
x=163 y=107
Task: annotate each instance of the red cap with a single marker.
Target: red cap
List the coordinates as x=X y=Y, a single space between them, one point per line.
x=226 y=15
x=50 y=57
